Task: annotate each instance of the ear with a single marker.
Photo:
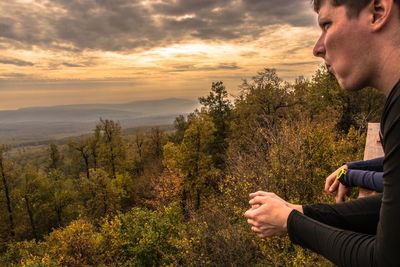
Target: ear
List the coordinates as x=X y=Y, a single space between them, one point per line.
x=381 y=13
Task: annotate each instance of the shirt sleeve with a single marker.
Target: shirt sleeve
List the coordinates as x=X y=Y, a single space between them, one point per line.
x=367 y=179
x=367 y=165
x=342 y=247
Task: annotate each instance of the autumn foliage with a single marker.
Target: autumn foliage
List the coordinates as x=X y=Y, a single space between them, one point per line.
x=176 y=196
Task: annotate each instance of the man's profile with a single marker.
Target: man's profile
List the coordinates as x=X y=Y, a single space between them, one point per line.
x=360 y=45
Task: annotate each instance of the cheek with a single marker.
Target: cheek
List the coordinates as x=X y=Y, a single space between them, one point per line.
x=335 y=44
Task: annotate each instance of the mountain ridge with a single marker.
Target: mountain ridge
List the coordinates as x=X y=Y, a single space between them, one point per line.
x=54 y=122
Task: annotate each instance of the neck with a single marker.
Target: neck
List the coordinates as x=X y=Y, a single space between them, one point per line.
x=388 y=73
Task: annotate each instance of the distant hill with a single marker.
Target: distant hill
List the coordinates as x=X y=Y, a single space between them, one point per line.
x=43 y=123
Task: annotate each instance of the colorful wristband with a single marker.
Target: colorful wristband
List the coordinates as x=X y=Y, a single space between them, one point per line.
x=341 y=174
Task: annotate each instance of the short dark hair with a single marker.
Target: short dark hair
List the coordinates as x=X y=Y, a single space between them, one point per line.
x=353 y=7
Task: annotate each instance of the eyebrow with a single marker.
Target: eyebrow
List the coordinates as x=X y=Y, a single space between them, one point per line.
x=322 y=20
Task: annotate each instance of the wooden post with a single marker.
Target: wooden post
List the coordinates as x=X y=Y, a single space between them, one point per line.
x=373 y=149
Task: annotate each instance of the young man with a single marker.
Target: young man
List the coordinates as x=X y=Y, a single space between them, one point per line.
x=360 y=44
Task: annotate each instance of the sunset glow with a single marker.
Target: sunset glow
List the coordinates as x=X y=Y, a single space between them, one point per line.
x=67 y=52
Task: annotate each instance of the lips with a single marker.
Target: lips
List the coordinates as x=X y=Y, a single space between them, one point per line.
x=328 y=67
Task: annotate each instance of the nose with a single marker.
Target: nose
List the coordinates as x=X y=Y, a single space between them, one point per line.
x=319 y=48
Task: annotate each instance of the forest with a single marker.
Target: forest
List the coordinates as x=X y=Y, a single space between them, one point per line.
x=176 y=196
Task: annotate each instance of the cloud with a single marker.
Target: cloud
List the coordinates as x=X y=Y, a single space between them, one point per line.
x=301 y=63
x=121 y=25
x=292 y=12
x=72 y=65
x=16 y=62
x=13 y=75
x=191 y=67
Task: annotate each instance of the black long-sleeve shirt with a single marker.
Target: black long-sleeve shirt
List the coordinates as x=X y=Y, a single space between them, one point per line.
x=366 y=231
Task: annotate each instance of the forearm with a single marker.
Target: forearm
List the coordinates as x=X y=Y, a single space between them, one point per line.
x=368 y=165
x=366 y=179
x=359 y=215
x=343 y=248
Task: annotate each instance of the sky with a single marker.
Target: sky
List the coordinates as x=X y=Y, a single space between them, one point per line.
x=55 y=52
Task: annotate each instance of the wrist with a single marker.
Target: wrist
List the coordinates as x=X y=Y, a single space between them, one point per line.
x=341 y=174
x=293 y=208
x=299 y=208
x=344 y=167
x=289 y=210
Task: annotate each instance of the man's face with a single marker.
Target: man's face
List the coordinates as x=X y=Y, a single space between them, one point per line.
x=343 y=45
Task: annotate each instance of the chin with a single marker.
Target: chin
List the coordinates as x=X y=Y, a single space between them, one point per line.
x=349 y=86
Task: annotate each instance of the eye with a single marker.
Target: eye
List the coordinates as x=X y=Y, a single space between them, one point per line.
x=325 y=25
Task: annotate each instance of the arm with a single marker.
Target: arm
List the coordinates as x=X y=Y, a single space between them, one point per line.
x=342 y=247
x=366 y=179
x=319 y=228
x=367 y=165
x=359 y=215
x=349 y=248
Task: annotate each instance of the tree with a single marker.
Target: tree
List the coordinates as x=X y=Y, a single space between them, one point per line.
x=54 y=157
x=180 y=126
x=61 y=197
x=264 y=102
x=219 y=108
x=156 y=142
x=112 y=148
x=83 y=148
x=6 y=189
x=99 y=194
x=355 y=109
x=29 y=190
x=137 y=166
x=94 y=145
x=192 y=159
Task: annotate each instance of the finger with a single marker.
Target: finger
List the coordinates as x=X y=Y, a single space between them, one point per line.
x=249 y=214
x=255 y=206
x=339 y=198
x=341 y=195
x=258 y=193
x=328 y=182
x=256 y=229
x=253 y=223
x=334 y=186
x=265 y=227
x=258 y=200
x=264 y=194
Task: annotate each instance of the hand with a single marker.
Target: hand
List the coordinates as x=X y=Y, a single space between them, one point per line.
x=268 y=214
x=273 y=195
x=333 y=185
x=342 y=192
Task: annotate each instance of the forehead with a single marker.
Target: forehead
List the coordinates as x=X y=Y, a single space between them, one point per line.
x=327 y=10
